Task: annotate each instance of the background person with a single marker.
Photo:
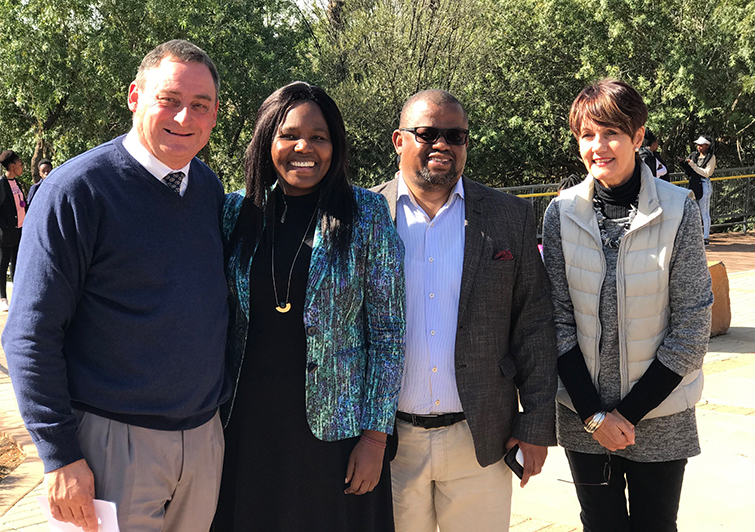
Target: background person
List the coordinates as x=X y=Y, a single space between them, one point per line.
x=632 y=297
x=568 y=182
x=480 y=335
x=45 y=167
x=115 y=342
x=316 y=275
x=650 y=156
x=700 y=165
x=12 y=214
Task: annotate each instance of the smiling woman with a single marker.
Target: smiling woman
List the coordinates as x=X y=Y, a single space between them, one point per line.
x=608 y=120
x=315 y=273
x=608 y=152
x=631 y=293
x=302 y=149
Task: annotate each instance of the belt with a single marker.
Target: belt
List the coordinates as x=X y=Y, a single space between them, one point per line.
x=431 y=422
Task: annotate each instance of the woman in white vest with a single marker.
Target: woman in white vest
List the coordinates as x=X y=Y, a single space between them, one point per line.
x=632 y=297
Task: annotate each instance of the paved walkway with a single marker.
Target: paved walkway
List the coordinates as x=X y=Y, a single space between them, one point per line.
x=718 y=485
x=22 y=510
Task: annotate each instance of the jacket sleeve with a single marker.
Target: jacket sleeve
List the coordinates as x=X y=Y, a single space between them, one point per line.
x=553 y=255
x=533 y=343
x=385 y=303
x=690 y=298
x=708 y=170
x=53 y=257
x=3 y=196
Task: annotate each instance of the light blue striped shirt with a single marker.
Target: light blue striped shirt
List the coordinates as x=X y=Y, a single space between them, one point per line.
x=433 y=266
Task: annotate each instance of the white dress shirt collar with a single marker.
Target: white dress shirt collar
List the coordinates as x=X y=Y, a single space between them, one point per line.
x=403 y=190
x=151 y=163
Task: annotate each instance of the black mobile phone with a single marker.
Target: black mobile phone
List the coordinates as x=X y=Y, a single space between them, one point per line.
x=514 y=464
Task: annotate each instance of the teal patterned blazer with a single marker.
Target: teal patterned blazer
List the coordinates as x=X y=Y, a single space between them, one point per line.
x=354 y=321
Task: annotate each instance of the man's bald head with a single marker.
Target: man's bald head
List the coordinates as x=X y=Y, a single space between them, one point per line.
x=436 y=97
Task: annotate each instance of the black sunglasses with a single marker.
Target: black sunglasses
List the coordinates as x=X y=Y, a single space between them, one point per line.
x=454 y=136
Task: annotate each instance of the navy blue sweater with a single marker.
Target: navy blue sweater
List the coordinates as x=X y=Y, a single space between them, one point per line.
x=119 y=303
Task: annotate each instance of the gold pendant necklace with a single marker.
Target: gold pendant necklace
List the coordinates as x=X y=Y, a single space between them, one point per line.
x=285 y=306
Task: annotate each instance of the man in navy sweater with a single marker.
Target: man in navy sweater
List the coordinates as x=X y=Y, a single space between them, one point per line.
x=115 y=338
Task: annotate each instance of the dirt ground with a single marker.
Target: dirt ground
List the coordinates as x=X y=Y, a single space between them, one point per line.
x=10 y=456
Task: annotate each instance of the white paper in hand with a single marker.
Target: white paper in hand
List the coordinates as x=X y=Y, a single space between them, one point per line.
x=105 y=511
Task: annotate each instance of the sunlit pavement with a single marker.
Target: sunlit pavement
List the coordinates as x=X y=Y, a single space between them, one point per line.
x=718 y=486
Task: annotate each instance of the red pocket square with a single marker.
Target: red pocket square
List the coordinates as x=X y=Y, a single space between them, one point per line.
x=503 y=255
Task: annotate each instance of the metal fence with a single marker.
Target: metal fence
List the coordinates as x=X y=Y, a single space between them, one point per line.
x=732 y=204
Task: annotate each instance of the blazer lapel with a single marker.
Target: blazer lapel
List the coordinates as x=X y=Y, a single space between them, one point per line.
x=390 y=192
x=474 y=231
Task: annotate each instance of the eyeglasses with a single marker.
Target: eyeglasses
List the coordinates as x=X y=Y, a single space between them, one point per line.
x=454 y=136
x=606 y=475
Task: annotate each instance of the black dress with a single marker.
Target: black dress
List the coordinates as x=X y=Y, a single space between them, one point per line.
x=277 y=476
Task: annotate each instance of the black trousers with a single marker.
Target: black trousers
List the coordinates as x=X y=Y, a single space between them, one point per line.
x=654 y=492
x=8 y=255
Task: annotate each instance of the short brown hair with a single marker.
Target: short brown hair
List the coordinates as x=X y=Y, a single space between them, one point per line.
x=182 y=50
x=609 y=103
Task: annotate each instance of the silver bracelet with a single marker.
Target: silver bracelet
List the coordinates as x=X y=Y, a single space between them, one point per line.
x=596 y=421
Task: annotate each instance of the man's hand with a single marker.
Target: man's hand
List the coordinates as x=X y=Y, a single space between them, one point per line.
x=70 y=491
x=365 y=465
x=534 y=458
x=615 y=433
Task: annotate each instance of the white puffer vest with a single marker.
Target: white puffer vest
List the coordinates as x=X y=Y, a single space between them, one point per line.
x=642 y=279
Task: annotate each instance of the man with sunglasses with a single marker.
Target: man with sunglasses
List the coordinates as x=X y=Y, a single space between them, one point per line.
x=480 y=333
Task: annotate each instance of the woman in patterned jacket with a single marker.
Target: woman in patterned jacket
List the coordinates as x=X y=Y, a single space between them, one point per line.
x=316 y=334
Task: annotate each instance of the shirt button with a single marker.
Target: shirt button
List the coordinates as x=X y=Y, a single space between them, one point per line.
x=435 y=369
x=437 y=402
x=432 y=296
x=431 y=259
x=432 y=224
x=432 y=333
x=311 y=330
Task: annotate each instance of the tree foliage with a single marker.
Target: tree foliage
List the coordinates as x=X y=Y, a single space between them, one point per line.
x=373 y=54
x=68 y=64
x=515 y=64
x=518 y=64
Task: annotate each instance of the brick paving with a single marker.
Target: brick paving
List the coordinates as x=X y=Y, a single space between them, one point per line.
x=730 y=364
x=25 y=515
x=735 y=250
x=27 y=476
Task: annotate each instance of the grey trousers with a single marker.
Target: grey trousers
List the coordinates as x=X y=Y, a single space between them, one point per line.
x=159 y=480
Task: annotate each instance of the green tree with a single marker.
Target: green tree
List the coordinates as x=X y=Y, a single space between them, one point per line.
x=518 y=64
x=373 y=54
x=69 y=64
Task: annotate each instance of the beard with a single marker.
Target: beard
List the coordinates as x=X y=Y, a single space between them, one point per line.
x=431 y=180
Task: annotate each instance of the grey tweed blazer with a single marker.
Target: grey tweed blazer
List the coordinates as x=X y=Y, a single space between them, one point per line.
x=505 y=339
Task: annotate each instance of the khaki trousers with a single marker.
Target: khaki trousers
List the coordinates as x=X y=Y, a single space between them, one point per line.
x=159 y=480
x=438 y=483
